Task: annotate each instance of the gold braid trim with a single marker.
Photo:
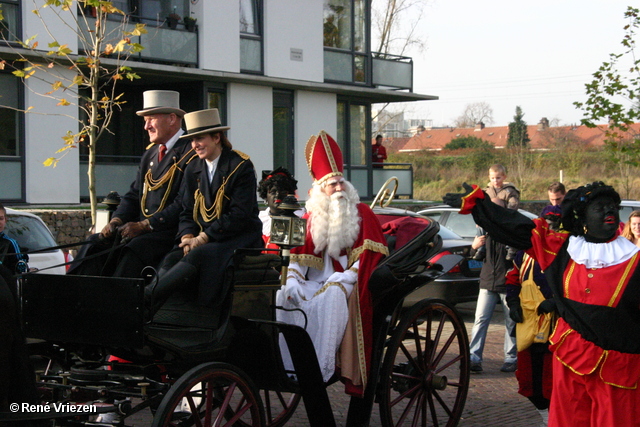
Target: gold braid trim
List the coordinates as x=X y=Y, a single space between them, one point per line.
x=208 y=214
x=242 y=155
x=151 y=184
x=362 y=360
x=307 y=260
x=326 y=286
x=367 y=245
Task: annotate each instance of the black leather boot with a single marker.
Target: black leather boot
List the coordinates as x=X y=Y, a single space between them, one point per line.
x=156 y=293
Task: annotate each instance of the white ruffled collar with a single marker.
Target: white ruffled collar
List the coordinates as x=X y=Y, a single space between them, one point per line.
x=600 y=255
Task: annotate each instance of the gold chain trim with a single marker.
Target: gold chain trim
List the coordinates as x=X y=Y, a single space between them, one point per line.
x=151 y=184
x=214 y=211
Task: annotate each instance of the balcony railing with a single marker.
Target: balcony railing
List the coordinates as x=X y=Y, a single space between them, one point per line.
x=387 y=71
x=392 y=71
x=161 y=44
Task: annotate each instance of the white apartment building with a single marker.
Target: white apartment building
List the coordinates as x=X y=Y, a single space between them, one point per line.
x=278 y=70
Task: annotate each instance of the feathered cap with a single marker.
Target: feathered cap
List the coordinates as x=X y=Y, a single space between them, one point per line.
x=324 y=157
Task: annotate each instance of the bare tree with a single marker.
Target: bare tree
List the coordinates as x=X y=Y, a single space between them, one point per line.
x=394 y=25
x=91 y=83
x=474 y=114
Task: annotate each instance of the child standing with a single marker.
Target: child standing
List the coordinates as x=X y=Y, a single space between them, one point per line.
x=499 y=188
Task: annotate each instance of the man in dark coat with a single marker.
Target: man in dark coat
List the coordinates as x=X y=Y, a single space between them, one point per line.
x=147 y=217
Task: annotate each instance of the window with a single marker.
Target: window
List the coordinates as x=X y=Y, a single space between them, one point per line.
x=251 y=36
x=10 y=25
x=9 y=119
x=283 y=139
x=11 y=151
x=216 y=99
x=346 y=43
x=158 y=10
x=354 y=141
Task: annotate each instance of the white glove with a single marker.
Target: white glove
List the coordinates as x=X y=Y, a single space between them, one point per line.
x=347 y=277
x=293 y=292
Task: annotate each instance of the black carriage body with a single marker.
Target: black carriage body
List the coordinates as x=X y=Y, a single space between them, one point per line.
x=102 y=311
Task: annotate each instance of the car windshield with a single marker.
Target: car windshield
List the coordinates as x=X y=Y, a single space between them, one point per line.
x=445 y=233
x=29 y=233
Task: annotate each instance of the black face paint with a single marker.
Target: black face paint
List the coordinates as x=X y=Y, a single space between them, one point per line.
x=274 y=198
x=602 y=219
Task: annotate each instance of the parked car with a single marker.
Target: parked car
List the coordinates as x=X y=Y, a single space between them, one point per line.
x=462 y=225
x=457 y=286
x=32 y=233
x=628 y=206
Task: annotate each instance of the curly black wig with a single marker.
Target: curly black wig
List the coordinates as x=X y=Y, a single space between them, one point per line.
x=576 y=201
x=279 y=177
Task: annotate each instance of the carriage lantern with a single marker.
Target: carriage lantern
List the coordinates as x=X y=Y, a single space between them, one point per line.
x=288 y=231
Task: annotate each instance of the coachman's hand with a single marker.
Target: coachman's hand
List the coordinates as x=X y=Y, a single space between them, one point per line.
x=455 y=199
x=190 y=243
x=135 y=229
x=110 y=228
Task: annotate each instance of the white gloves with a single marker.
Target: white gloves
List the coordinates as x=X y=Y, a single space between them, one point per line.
x=293 y=292
x=347 y=277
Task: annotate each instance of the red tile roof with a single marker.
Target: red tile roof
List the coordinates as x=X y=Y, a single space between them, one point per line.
x=436 y=139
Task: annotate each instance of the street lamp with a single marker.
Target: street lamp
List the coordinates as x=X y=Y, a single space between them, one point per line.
x=288 y=231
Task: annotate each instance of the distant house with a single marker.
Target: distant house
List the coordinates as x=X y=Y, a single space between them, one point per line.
x=542 y=136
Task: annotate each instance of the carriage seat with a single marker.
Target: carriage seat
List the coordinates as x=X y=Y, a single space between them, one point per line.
x=249 y=279
x=412 y=242
x=249 y=275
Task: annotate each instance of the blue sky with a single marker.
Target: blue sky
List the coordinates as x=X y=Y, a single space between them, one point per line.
x=537 y=55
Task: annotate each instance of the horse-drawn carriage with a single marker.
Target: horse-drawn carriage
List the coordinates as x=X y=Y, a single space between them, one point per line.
x=192 y=366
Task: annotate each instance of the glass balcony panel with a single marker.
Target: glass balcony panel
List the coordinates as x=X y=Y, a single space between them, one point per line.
x=338 y=66
x=160 y=43
x=391 y=73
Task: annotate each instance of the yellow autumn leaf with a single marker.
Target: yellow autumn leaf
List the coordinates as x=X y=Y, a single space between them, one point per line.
x=63 y=102
x=108 y=50
x=120 y=46
x=51 y=161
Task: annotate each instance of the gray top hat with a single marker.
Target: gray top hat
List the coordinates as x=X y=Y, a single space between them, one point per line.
x=161 y=102
x=203 y=121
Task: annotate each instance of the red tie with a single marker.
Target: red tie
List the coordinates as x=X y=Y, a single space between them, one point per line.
x=161 y=152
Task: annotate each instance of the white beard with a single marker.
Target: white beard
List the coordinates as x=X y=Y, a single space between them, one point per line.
x=335 y=223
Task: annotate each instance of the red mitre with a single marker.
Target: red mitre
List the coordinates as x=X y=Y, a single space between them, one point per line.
x=324 y=157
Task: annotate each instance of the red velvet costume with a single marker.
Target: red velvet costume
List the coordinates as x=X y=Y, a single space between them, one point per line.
x=596 y=367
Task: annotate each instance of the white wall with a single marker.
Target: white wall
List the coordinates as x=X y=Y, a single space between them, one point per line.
x=44 y=128
x=219 y=34
x=314 y=111
x=293 y=24
x=47 y=22
x=250 y=111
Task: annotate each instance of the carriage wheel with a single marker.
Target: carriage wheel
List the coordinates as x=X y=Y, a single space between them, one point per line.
x=279 y=406
x=211 y=394
x=425 y=375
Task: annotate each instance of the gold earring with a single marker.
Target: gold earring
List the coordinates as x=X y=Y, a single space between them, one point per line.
x=585 y=229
